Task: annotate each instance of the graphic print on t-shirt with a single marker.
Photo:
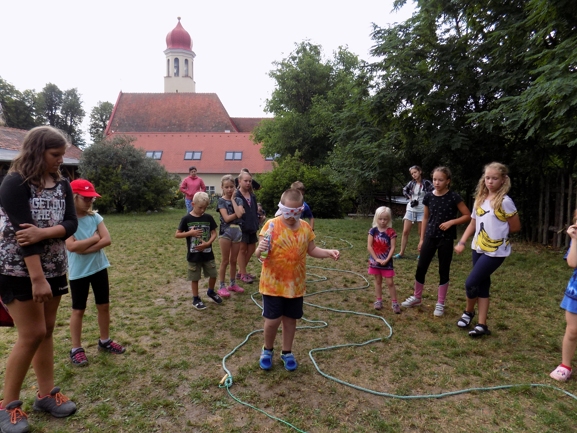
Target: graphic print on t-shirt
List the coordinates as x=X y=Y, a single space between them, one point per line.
x=205 y=227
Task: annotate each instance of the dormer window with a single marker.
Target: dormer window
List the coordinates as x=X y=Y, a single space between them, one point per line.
x=233 y=156
x=154 y=154
x=193 y=154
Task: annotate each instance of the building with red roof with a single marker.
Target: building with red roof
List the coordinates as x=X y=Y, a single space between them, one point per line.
x=181 y=128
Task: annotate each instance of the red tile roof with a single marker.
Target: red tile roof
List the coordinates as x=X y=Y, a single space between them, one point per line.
x=169 y=112
x=246 y=124
x=12 y=138
x=213 y=147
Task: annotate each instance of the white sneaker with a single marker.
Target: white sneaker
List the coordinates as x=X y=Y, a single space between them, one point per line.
x=411 y=301
x=439 y=310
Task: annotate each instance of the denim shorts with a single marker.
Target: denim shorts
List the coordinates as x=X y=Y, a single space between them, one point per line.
x=195 y=269
x=414 y=216
x=233 y=233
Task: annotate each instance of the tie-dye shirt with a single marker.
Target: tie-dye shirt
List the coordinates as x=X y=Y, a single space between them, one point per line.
x=284 y=270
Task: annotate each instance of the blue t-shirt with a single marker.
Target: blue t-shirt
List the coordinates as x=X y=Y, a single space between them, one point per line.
x=307 y=212
x=83 y=265
x=571 y=290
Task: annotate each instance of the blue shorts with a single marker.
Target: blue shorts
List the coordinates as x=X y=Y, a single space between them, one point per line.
x=414 y=216
x=569 y=304
x=233 y=233
x=277 y=306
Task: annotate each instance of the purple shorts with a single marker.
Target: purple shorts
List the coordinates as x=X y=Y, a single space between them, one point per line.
x=386 y=273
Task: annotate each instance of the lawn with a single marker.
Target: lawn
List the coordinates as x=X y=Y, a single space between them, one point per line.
x=168 y=379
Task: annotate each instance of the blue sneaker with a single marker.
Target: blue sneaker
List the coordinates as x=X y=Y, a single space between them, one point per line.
x=265 y=361
x=289 y=361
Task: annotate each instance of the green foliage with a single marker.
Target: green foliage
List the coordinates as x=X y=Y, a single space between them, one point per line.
x=18 y=108
x=99 y=117
x=126 y=178
x=324 y=196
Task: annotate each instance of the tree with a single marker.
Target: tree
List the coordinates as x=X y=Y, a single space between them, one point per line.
x=49 y=103
x=18 y=107
x=99 y=117
x=309 y=91
x=126 y=178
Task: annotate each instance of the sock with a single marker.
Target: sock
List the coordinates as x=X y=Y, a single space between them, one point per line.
x=232 y=282
x=267 y=349
x=210 y=290
x=286 y=352
x=222 y=285
x=379 y=299
x=442 y=293
x=418 y=290
x=108 y=340
x=196 y=298
x=566 y=366
x=74 y=349
x=394 y=301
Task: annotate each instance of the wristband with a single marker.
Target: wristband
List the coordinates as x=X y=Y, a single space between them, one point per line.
x=461 y=243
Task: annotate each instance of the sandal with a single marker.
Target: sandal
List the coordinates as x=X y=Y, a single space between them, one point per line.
x=397 y=256
x=465 y=319
x=479 y=330
x=289 y=361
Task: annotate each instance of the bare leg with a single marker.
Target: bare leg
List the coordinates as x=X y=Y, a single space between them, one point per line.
x=471 y=305
x=234 y=249
x=226 y=253
x=270 y=331
x=29 y=320
x=76 y=327
x=43 y=361
x=103 y=321
x=407 y=225
x=392 y=288
x=379 y=286
x=249 y=252
x=194 y=287
x=483 y=310
x=569 y=340
x=289 y=327
x=242 y=258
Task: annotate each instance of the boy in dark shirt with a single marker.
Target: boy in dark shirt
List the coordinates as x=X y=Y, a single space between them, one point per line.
x=199 y=229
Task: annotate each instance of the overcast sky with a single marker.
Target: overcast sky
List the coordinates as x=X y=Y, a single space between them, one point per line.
x=103 y=47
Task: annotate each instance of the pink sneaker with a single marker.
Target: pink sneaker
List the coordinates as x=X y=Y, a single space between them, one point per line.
x=223 y=292
x=235 y=288
x=561 y=374
x=247 y=278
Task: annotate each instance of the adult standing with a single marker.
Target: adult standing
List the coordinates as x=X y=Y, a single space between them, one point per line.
x=415 y=192
x=190 y=186
x=250 y=224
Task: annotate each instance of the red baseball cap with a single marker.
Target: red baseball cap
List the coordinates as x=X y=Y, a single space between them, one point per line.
x=84 y=188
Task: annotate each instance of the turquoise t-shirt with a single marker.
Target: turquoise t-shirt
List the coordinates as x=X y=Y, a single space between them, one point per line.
x=83 y=265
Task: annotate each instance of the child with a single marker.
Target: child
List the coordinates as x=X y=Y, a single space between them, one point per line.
x=381 y=246
x=282 y=281
x=231 y=211
x=563 y=372
x=261 y=214
x=199 y=229
x=88 y=267
x=494 y=217
x=415 y=191
x=439 y=221
x=36 y=215
x=307 y=213
x=250 y=225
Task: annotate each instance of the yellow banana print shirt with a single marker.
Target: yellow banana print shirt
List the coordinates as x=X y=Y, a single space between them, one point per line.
x=492 y=229
x=284 y=270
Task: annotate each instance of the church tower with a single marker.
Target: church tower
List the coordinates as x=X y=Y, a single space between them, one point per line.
x=179 y=62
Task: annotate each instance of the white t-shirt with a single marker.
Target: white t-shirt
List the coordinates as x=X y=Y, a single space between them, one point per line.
x=492 y=229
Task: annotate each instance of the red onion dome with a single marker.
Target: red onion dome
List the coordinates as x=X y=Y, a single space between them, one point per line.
x=179 y=38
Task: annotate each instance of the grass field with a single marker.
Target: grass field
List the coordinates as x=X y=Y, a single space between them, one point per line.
x=168 y=379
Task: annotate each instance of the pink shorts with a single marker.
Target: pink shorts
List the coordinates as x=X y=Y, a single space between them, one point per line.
x=386 y=273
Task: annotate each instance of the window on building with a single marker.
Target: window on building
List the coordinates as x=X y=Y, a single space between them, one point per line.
x=233 y=156
x=210 y=190
x=186 y=67
x=193 y=154
x=154 y=154
x=176 y=66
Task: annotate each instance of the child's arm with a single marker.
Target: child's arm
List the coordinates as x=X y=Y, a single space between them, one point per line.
x=464 y=218
x=372 y=252
x=202 y=246
x=238 y=208
x=391 y=251
x=194 y=233
x=226 y=217
x=104 y=241
x=572 y=255
x=321 y=253
x=423 y=226
x=79 y=246
x=468 y=232
x=261 y=246
x=514 y=223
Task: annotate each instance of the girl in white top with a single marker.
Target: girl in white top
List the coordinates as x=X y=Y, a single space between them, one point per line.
x=88 y=267
x=493 y=218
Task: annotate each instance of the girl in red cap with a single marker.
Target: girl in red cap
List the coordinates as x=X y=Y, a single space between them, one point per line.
x=88 y=267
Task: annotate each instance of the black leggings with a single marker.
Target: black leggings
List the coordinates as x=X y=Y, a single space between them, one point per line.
x=430 y=246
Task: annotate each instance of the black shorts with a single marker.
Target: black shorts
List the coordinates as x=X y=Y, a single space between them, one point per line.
x=20 y=288
x=277 y=306
x=249 y=238
x=79 y=289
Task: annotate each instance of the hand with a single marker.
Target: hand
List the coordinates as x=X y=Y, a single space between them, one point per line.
x=419 y=246
x=195 y=233
x=28 y=235
x=263 y=245
x=96 y=236
x=445 y=226
x=572 y=231
x=334 y=254
x=41 y=291
x=459 y=248
x=201 y=247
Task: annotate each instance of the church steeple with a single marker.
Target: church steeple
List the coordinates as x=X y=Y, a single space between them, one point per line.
x=179 y=62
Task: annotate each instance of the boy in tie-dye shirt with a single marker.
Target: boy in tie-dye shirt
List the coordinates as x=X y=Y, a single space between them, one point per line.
x=282 y=280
